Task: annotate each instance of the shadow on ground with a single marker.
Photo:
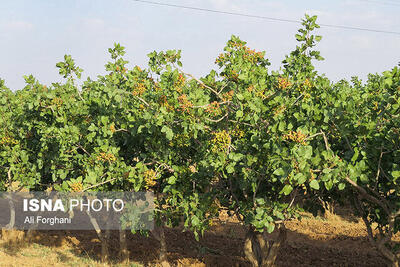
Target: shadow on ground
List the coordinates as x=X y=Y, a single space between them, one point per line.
x=310 y=242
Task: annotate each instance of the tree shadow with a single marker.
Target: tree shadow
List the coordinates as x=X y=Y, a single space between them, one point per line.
x=220 y=246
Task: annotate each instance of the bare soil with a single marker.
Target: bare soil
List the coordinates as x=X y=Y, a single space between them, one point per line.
x=329 y=241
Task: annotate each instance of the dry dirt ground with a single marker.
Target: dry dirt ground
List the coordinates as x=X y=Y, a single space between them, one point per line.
x=329 y=241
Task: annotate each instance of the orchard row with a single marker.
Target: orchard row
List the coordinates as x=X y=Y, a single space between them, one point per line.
x=243 y=138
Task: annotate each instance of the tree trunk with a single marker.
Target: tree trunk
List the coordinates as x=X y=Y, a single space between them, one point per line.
x=159 y=234
x=274 y=248
x=252 y=249
x=124 y=252
x=11 y=224
x=163 y=248
x=5 y=232
x=101 y=236
x=392 y=259
x=261 y=252
x=104 y=246
x=30 y=233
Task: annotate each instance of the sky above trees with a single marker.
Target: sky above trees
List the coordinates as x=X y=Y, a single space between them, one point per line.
x=35 y=35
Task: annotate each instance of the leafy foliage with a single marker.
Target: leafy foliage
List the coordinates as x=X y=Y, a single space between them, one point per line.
x=242 y=138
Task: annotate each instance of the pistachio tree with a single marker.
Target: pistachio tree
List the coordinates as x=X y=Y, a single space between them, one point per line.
x=268 y=137
x=366 y=136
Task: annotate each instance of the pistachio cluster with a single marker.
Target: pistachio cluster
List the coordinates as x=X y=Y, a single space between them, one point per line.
x=297 y=137
x=237 y=132
x=184 y=103
x=76 y=187
x=180 y=81
x=112 y=128
x=251 y=55
x=278 y=110
x=305 y=88
x=227 y=96
x=139 y=89
x=283 y=83
x=163 y=102
x=7 y=140
x=106 y=157
x=57 y=102
x=213 y=108
x=180 y=140
x=221 y=141
x=149 y=177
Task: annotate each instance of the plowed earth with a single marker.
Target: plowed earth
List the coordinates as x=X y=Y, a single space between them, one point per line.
x=329 y=241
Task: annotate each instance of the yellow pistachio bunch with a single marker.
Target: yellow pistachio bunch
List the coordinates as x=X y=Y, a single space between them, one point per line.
x=106 y=157
x=8 y=140
x=283 y=83
x=297 y=137
x=221 y=141
x=139 y=89
x=184 y=103
x=76 y=187
x=150 y=177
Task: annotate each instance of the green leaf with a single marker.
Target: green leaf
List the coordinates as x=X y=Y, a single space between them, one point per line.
x=299 y=37
x=230 y=168
x=355 y=156
x=195 y=220
x=168 y=132
x=307 y=152
x=314 y=184
x=240 y=96
x=270 y=227
x=279 y=172
x=287 y=189
x=328 y=185
x=282 y=126
x=235 y=156
x=341 y=186
x=242 y=76
x=396 y=174
x=91 y=177
x=300 y=178
x=172 y=180
x=388 y=82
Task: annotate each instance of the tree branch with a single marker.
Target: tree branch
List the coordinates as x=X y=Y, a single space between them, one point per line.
x=367 y=196
x=326 y=141
x=314 y=135
x=201 y=83
x=104 y=182
x=218 y=120
x=141 y=99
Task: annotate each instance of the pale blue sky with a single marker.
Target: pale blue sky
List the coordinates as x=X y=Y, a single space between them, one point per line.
x=35 y=34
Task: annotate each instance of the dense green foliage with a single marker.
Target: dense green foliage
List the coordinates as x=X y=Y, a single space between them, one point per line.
x=242 y=138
